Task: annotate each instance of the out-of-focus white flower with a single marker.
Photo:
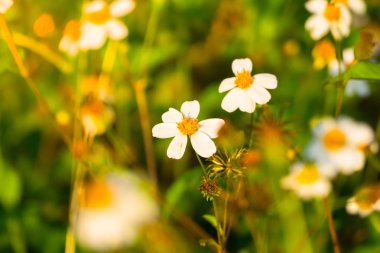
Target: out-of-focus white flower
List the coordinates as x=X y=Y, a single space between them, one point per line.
x=5 y=5
x=244 y=89
x=356 y=6
x=306 y=181
x=334 y=17
x=366 y=201
x=338 y=145
x=96 y=117
x=185 y=123
x=71 y=41
x=100 y=22
x=112 y=211
x=355 y=87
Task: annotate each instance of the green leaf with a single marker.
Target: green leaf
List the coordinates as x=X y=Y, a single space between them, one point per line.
x=183 y=193
x=10 y=188
x=214 y=222
x=363 y=70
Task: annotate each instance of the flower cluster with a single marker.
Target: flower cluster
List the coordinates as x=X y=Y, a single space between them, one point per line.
x=99 y=22
x=338 y=146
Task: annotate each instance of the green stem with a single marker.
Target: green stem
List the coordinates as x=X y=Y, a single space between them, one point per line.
x=340 y=83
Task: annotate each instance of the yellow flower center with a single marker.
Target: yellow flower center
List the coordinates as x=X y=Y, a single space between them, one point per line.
x=100 y=16
x=308 y=174
x=334 y=139
x=44 y=25
x=323 y=52
x=97 y=195
x=332 y=12
x=244 y=80
x=345 y=2
x=188 y=126
x=73 y=30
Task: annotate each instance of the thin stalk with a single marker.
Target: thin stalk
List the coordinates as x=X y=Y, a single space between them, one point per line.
x=340 y=93
x=24 y=73
x=140 y=90
x=226 y=199
x=220 y=237
x=330 y=220
x=142 y=104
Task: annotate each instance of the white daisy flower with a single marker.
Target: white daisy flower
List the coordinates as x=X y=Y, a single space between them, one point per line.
x=244 y=89
x=366 y=201
x=356 y=6
x=100 y=22
x=339 y=145
x=185 y=123
x=72 y=40
x=112 y=211
x=306 y=181
x=334 y=17
x=5 y=5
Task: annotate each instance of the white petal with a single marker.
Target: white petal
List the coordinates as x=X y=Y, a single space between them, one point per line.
x=93 y=36
x=246 y=103
x=190 y=109
x=348 y=160
x=5 y=5
x=318 y=26
x=359 y=88
x=227 y=84
x=316 y=6
x=211 y=127
x=121 y=7
x=267 y=81
x=172 y=116
x=116 y=29
x=348 y=56
x=259 y=94
x=240 y=65
x=231 y=101
x=165 y=130
x=177 y=146
x=93 y=6
x=357 y=6
x=202 y=144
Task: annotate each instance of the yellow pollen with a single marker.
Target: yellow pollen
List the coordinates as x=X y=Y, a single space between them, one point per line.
x=44 y=25
x=244 y=80
x=72 y=30
x=97 y=194
x=345 y=2
x=334 y=139
x=332 y=12
x=308 y=174
x=188 y=126
x=100 y=16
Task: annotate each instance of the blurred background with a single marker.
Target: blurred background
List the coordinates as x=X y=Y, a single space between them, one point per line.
x=179 y=50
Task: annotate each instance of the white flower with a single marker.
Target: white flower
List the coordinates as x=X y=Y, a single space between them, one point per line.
x=185 y=123
x=5 y=5
x=244 y=89
x=355 y=87
x=100 y=22
x=334 y=17
x=112 y=212
x=366 y=201
x=338 y=145
x=306 y=181
x=71 y=41
x=356 y=6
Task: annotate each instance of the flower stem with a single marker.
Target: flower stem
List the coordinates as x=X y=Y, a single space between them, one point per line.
x=333 y=234
x=24 y=73
x=340 y=84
